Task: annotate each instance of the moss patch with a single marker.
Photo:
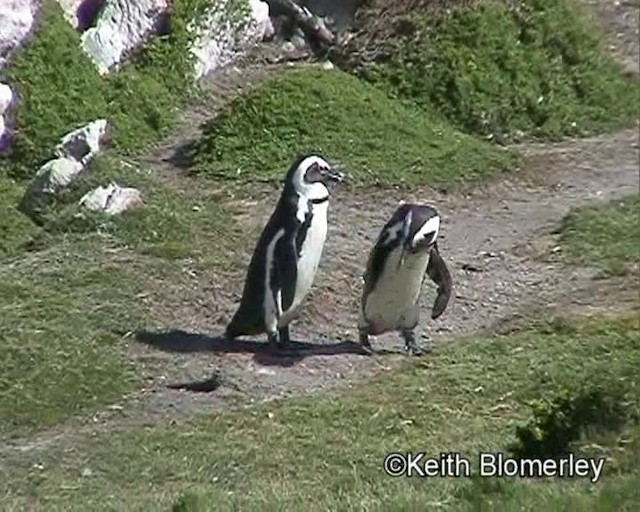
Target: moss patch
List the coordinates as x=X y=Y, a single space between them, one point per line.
x=498 y=68
x=347 y=120
x=60 y=89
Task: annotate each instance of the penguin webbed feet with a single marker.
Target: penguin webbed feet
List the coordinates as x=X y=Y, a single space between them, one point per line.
x=411 y=346
x=280 y=340
x=365 y=343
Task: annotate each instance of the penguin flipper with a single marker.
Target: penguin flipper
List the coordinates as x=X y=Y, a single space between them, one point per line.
x=286 y=265
x=439 y=274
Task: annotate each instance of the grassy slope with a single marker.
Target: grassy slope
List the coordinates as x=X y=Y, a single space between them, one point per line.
x=499 y=68
x=60 y=302
x=15 y=228
x=349 y=121
x=606 y=236
x=325 y=453
x=60 y=89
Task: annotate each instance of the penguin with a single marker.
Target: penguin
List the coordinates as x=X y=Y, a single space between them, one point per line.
x=287 y=254
x=405 y=252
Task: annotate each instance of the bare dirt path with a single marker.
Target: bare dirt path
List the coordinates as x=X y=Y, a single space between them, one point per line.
x=495 y=238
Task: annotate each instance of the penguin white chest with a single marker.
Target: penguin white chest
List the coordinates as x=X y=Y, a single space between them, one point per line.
x=393 y=304
x=310 y=255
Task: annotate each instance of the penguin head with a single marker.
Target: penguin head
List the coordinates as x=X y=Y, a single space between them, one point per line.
x=310 y=176
x=424 y=229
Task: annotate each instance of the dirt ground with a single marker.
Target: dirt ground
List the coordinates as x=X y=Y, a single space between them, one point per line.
x=496 y=240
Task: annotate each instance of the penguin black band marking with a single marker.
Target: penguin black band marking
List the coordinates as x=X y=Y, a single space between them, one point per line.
x=319 y=201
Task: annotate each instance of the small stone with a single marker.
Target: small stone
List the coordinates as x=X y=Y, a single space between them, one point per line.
x=112 y=199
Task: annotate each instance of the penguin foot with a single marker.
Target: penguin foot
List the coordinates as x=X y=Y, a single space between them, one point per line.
x=280 y=342
x=284 y=337
x=414 y=350
x=366 y=344
x=410 y=344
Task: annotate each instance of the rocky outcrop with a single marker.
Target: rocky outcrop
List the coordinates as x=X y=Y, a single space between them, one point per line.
x=82 y=14
x=226 y=31
x=122 y=25
x=16 y=21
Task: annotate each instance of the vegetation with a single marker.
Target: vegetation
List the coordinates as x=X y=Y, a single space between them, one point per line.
x=67 y=286
x=15 y=228
x=326 y=452
x=375 y=138
x=606 y=236
x=58 y=354
x=70 y=288
x=60 y=89
x=171 y=224
x=496 y=69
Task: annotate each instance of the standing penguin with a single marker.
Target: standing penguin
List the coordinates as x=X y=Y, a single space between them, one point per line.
x=405 y=252
x=287 y=255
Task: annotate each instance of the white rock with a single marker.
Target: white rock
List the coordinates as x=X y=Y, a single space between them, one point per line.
x=16 y=19
x=70 y=9
x=224 y=34
x=6 y=95
x=5 y=99
x=112 y=199
x=84 y=143
x=55 y=175
x=81 y=13
x=121 y=26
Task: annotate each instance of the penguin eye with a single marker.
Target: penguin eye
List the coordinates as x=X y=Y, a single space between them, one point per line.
x=314 y=172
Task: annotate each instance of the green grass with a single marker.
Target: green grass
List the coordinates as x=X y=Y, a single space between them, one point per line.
x=606 y=236
x=60 y=89
x=171 y=224
x=347 y=120
x=15 y=228
x=500 y=68
x=64 y=290
x=325 y=452
x=59 y=357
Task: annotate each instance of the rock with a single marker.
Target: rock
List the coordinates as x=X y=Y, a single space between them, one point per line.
x=82 y=14
x=112 y=199
x=51 y=177
x=84 y=143
x=6 y=95
x=16 y=20
x=56 y=174
x=122 y=25
x=225 y=33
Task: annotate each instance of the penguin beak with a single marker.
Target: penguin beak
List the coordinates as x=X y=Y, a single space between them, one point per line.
x=334 y=175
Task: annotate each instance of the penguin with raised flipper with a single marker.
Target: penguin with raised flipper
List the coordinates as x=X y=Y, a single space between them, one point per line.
x=287 y=255
x=405 y=252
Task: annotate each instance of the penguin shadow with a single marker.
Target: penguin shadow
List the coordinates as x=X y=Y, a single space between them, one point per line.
x=183 y=156
x=178 y=341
